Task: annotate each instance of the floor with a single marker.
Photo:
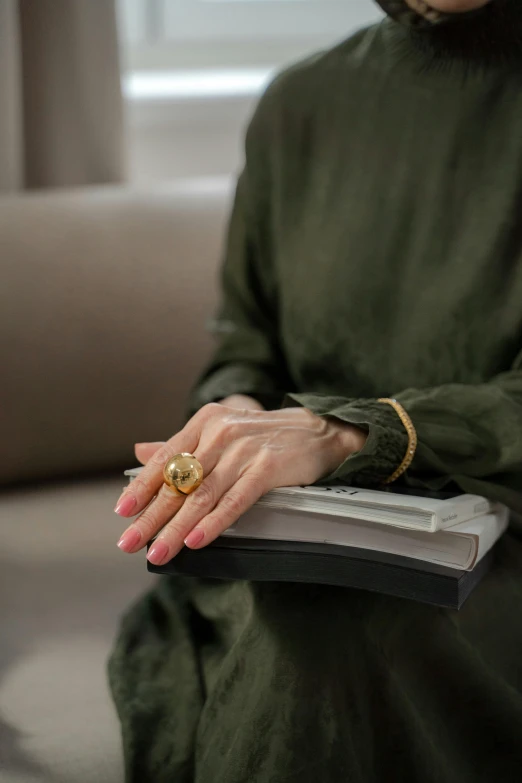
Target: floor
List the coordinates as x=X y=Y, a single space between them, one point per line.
x=63 y=587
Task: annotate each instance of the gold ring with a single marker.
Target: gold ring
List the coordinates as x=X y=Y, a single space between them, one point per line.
x=183 y=473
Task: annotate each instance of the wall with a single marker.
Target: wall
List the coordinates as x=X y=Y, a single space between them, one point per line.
x=187 y=138
x=173 y=132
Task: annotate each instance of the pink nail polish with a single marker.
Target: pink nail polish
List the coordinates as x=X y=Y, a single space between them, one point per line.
x=130 y=539
x=158 y=553
x=194 y=538
x=125 y=505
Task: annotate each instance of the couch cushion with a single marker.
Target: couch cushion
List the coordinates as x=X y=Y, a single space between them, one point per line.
x=105 y=297
x=63 y=587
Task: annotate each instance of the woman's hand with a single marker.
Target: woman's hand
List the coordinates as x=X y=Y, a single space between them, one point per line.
x=245 y=453
x=242 y=402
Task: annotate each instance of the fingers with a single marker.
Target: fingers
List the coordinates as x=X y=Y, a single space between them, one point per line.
x=217 y=436
x=144 y=451
x=166 y=503
x=211 y=509
x=150 y=522
x=232 y=505
x=196 y=506
x=220 y=427
x=145 y=487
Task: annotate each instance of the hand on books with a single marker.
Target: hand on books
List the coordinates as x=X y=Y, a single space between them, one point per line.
x=245 y=452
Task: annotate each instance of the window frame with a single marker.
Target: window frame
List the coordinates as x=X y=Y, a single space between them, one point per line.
x=172 y=34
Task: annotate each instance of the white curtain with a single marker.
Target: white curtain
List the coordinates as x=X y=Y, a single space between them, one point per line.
x=61 y=114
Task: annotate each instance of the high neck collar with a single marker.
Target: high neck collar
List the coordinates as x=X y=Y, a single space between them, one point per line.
x=491 y=37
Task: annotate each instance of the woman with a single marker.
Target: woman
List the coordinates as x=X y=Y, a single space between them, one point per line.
x=375 y=251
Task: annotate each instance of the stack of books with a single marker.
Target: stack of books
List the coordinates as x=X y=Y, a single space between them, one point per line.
x=433 y=549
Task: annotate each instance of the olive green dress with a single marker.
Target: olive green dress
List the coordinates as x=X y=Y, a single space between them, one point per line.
x=375 y=250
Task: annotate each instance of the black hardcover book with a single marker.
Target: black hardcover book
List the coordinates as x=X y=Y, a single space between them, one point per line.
x=329 y=564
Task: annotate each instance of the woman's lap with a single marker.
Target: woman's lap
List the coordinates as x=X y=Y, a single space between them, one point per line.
x=258 y=683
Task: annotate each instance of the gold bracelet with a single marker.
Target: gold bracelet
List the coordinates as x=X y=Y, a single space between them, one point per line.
x=412 y=438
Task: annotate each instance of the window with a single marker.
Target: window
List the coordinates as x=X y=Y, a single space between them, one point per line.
x=194 y=70
x=180 y=34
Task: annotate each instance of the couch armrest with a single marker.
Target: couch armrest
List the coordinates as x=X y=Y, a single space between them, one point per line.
x=103 y=303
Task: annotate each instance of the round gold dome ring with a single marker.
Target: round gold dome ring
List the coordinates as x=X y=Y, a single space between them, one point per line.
x=183 y=473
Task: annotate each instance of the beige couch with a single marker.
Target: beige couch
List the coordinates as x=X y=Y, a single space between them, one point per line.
x=104 y=295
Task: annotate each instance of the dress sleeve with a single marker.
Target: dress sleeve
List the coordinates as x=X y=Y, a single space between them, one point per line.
x=470 y=435
x=248 y=358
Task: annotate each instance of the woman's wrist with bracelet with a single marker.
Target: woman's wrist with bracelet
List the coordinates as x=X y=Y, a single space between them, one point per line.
x=412 y=438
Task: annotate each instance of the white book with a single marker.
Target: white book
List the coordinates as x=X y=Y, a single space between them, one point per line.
x=411 y=512
x=461 y=546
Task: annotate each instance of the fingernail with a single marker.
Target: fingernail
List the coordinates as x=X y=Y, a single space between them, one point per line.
x=125 y=505
x=158 y=553
x=194 y=538
x=130 y=539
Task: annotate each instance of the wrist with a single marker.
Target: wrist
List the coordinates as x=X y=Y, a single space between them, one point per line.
x=350 y=439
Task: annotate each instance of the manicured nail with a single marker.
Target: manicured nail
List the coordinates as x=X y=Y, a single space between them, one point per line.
x=125 y=505
x=130 y=539
x=194 y=538
x=158 y=553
